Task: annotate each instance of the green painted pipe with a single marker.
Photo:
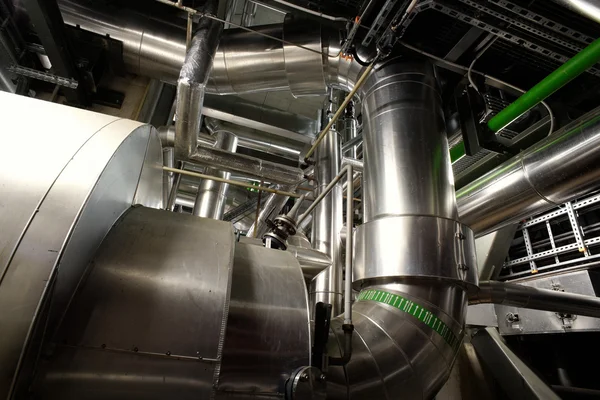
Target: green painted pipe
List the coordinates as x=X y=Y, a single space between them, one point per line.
x=556 y=80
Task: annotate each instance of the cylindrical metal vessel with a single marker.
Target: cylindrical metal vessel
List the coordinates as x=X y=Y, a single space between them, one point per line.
x=203 y=317
x=212 y=195
x=558 y=169
x=413 y=259
x=89 y=168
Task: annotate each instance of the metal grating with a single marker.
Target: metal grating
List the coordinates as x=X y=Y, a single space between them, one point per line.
x=566 y=237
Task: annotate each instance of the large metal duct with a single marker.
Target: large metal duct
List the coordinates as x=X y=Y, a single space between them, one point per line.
x=130 y=302
x=157 y=316
x=413 y=258
x=212 y=195
x=89 y=169
x=244 y=62
x=558 y=169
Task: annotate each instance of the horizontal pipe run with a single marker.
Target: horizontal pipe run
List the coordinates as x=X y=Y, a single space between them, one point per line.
x=357 y=165
x=247 y=165
x=560 y=77
x=511 y=294
x=231 y=182
x=587 y=8
x=560 y=168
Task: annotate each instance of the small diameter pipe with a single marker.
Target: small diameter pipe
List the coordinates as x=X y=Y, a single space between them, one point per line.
x=349 y=238
x=516 y=295
x=556 y=80
x=341 y=108
x=257 y=211
x=231 y=182
x=325 y=192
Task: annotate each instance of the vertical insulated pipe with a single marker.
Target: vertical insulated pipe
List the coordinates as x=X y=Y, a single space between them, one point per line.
x=192 y=82
x=327 y=223
x=212 y=195
x=412 y=257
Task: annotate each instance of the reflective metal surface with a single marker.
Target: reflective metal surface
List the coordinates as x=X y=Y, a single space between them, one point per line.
x=573 y=295
x=168 y=177
x=192 y=81
x=53 y=218
x=246 y=165
x=304 y=69
x=587 y=8
x=446 y=250
x=516 y=378
x=149 y=192
x=261 y=117
x=311 y=261
x=146 y=322
x=269 y=210
x=150 y=47
x=394 y=352
x=328 y=220
x=255 y=140
x=245 y=62
x=407 y=169
x=268 y=331
x=413 y=259
x=556 y=170
x=212 y=195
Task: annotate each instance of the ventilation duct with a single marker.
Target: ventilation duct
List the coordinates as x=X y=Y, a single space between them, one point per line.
x=558 y=169
x=414 y=260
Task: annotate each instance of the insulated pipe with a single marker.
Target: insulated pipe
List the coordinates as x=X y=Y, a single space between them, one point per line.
x=192 y=81
x=328 y=220
x=212 y=195
x=588 y=8
x=246 y=165
x=413 y=259
x=511 y=294
x=157 y=49
x=564 y=74
x=558 y=169
x=254 y=140
x=271 y=208
x=247 y=138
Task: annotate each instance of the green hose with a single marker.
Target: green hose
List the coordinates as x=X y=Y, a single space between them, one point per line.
x=556 y=80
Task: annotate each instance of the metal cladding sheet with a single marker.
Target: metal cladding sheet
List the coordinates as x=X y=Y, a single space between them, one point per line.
x=239 y=163
x=410 y=246
x=268 y=330
x=154 y=303
x=54 y=217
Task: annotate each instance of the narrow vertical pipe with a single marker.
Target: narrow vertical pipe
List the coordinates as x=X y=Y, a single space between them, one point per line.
x=328 y=219
x=349 y=247
x=168 y=177
x=211 y=197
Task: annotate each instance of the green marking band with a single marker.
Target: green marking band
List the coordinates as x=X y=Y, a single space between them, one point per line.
x=414 y=309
